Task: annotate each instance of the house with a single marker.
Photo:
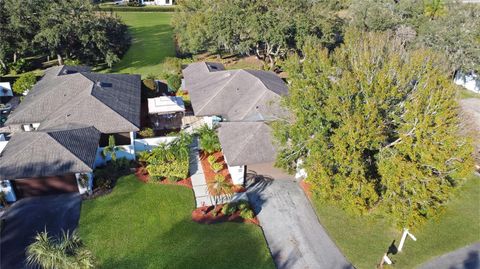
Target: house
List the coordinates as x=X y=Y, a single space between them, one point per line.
x=50 y=161
x=67 y=119
x=245 y=101
x=5 y=89
x=73 y=94
x=157 y=2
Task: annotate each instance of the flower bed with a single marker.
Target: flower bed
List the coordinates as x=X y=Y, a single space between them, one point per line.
x=204 y=215
x=307 y=188
x=210 y=174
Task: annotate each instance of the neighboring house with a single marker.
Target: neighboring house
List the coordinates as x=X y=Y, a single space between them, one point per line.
x=245 y=101
x=166 y=112
x=50 y=161
x=72 y=94
x=157 y=2
x=469 y=81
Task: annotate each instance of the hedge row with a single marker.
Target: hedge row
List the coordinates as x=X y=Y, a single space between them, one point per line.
x=137 y=9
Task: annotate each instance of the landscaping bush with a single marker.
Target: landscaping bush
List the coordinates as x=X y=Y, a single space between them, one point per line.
x=170 y=161
x=247 y=214
x=24 y=83
x=72 y=62
x=211 y=159
x=229 y=209
x=174 y=81
x=147 y=132
x=150 y=84
x=209 y=141
x=216 y=167
x=19 y=66
x=185 y=97
x=242 y=205
x=105 y=177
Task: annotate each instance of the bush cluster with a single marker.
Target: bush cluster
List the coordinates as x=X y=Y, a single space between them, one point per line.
x=105 y=177
x=241 y=206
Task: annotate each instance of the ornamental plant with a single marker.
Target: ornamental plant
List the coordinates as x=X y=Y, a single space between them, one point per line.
x=216 y=167
x=211 y=159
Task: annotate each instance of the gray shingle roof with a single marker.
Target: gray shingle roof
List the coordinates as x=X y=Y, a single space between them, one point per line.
x=110 y=102
x=245 y=143
x=236 y=95
x=56 y=151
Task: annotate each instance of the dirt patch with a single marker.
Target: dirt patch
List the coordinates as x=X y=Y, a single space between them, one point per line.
x=204 y=215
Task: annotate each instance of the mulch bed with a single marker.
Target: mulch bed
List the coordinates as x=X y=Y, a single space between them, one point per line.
x=142 y=175
x=210 y=174
x=307 y=188
x=203 y=215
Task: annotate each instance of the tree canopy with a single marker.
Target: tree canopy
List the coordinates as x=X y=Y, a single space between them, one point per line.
x=447 y=26
x=376 y=126
x=65 y=29
x=268 y=29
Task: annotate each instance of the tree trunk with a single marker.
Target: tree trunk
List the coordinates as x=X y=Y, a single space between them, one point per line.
x=14 y=57
x=59 y=59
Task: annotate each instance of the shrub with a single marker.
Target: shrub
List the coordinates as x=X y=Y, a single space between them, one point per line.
x=170 y=161
x=174 y=81
x=216 y=167
x=19 y=66
x=247 y=214
x=24 y=83
x=143 y=156
x=209 y=141
x=211 y=159
x=219 y=177
x=229 y=209
x=147 y=132
x=242 y=205
x=72 y=62
x=172 y=65
x=106 y=176
x=150 y=84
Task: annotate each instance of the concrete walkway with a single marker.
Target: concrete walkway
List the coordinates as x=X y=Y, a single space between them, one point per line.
x=294 y=235
x=463 y=258
x=198 y=178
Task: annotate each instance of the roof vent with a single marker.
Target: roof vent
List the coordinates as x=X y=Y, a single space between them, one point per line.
x=103 y=84
x=69 y=71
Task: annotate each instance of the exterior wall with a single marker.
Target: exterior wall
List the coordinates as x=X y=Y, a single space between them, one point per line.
x=148 y=144
x=30 y=127
x=158 y=2
x=237 y=173
x=6 y=187
x=127 y=151
x=83 y=189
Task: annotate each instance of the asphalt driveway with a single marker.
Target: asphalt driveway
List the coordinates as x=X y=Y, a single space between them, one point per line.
x=294 y=235
x=28 y=216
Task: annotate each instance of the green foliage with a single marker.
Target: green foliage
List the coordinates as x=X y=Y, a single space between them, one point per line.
x=174 y=81
x=65 y=252
x=229 y=208
x=209 y=141
x=147 y=132
x=269 y=29
x=65 y=29
x=377 y=127
x=218 y=188
x=247 y=214
x=216 y=167
x=111 y=150
x=18 y=67
x=24 y=83
x=106 y=177
x=170 y=161
x=150 y=84
x=72 y=62
x=211 y=159
x=137 y=9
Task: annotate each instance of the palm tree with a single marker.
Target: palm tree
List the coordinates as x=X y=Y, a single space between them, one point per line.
x=209 y=141
x=219 y=187
x=111 y=149
x=64 y=252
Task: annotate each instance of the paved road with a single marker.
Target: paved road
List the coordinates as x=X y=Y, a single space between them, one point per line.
x=295 y=237
x=31 y=215
x=464 y=258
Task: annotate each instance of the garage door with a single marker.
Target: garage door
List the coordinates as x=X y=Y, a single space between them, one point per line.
x=40 y=186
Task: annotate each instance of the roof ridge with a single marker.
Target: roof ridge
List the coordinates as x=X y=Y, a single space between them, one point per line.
x=220 y=90
x=20 y=151
x=254 y=103
x=247 y=140
x=65 y=148
x=114 y=111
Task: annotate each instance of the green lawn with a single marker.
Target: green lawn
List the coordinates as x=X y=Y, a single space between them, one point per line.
x=152 y=42
x=465 y=94
x=148 y=226
x=363 y=240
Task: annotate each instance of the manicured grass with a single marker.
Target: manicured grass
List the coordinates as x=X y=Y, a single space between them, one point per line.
x=152 y=42
x=465 y=94
x=363 y=240
x=148 y=226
